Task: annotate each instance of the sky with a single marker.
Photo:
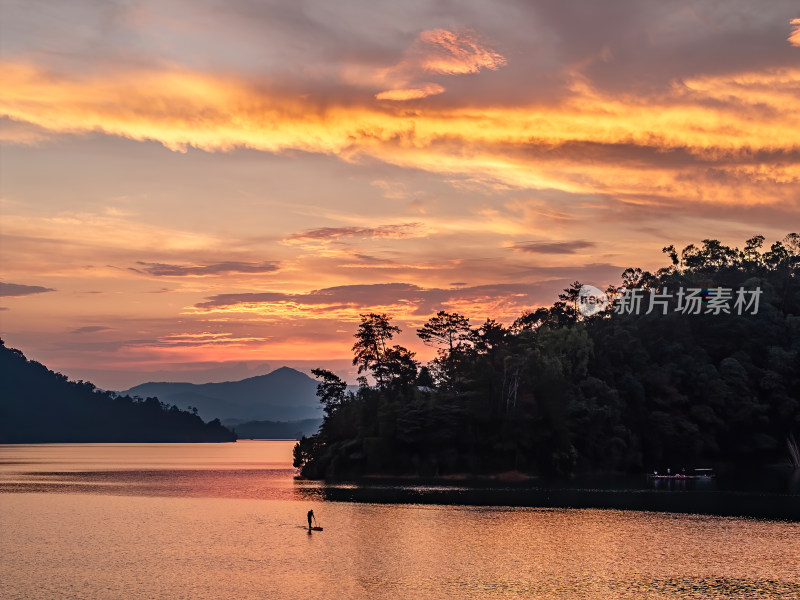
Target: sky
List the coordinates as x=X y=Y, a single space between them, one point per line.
x=205 y=190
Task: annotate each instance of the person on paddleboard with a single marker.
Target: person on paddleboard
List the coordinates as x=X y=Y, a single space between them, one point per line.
x=311 y=516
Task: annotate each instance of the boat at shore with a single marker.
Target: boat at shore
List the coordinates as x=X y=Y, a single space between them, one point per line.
x=696 y=474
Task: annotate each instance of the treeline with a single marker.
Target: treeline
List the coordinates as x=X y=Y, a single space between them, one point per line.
x=39 y=405
x=558 y=392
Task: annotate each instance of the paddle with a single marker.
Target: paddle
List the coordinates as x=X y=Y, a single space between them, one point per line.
x=316 y=524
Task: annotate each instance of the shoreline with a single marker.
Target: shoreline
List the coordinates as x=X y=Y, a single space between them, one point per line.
x=601 y=492
x=720 y=503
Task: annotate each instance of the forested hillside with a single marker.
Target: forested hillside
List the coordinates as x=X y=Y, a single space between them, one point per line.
x=712 y=373
x=39 y=405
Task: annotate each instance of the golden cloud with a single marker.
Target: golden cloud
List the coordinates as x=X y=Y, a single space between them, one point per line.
x=722 y=128
x=429 y=89
x=206 y=339
x=457 y=53
x=402 y=301
x=437 y=51
x=794 y=37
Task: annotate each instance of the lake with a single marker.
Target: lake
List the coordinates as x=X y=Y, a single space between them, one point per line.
x=197 y=521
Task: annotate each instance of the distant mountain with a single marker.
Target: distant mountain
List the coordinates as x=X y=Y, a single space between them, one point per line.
x=282 y=395
x=275 y=430
x=39 y=405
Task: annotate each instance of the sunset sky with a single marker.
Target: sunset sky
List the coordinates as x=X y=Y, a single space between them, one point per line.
x=198 y=190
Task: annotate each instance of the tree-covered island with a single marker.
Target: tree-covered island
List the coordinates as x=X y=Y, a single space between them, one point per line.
x=557 y=392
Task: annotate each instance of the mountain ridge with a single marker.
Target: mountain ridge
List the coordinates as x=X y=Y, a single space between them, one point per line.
x=284 y=394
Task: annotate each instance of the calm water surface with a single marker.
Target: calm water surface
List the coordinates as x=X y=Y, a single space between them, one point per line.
x=197 y=521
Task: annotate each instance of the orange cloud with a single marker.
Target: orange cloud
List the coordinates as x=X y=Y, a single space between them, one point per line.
x=206 y=339
x=86 y=236
x=328 y=234
x=702 y=139
x=428 y=89
x=16 y=132
x=441 y=52
x=404 y=302
x=457 y=53
x=794 y=37
x=396 y=266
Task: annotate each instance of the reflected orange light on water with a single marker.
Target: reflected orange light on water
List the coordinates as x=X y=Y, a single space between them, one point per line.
x=230 y=523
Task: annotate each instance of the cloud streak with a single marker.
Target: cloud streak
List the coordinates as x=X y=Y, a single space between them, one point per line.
x=90 y=329
x=207 y=339
x=552 y=247
x=330 y=234
x=223 y=268
x=414 y=93
x=17 y=289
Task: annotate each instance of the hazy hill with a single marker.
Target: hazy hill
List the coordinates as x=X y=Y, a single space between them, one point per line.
x=39 y=405
x=282 y=395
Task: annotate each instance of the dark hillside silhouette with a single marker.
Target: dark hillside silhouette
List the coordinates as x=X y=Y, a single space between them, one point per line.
x=39 y=405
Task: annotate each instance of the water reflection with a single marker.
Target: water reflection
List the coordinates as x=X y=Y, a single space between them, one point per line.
x=701 y=483
x=263 y=471
x=231 y=527
x=245 y=454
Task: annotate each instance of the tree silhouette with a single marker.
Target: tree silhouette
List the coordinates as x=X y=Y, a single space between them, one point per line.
x=554 y=394
x=330 y=390
x=452 y=337
x=370 y=348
